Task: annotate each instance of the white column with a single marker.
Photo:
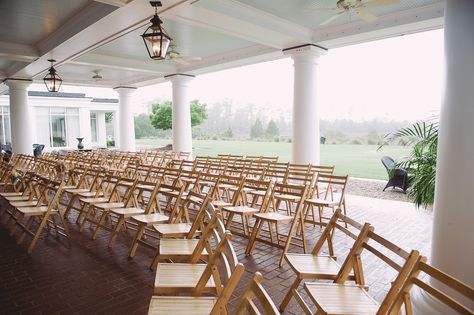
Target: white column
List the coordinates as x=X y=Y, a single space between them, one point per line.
x=305 y=139
x=84 y=127
x=115 y=122
x=182 y=134
x=101 y=130
x=452 y=250
x=20 y=117
x=126 y=119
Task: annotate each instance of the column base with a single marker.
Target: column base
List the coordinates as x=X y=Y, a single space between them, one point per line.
x=425 y=304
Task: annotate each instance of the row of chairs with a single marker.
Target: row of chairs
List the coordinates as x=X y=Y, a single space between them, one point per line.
x=348 y=292
x=131 y=194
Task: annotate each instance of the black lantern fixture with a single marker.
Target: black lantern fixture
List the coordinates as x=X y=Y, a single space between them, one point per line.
x=52 y=79
x=155 y=37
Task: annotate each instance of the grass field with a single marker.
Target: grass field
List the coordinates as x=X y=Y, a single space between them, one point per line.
x=355 y=160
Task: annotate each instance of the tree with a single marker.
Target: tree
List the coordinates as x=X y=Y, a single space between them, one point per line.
x=109 y=117
x=257 y=130
x=198 y=113
x=143 y=127
x=421 y=165
x=162 y=114
x=272 y=130
x=228 y=133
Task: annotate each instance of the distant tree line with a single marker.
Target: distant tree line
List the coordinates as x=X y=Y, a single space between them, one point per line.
x=222 y=121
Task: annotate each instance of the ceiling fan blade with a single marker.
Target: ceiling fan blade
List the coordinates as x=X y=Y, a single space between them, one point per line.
x=368 y=17
x=378 y=3
x=181 y=61
x=315 y=7
x=332 y=18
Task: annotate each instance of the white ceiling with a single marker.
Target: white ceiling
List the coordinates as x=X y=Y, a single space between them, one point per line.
x=86 y=35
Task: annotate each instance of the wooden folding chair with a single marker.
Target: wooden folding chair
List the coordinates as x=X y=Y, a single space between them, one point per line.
x=256 y=291
x=45 y=214
x=328 y=200
x=256 y=189
x=182 y=229
x=145 y=197
x=198 y=278
x=202 y=305
x=170 y=212
x=192 y=249
x=454 y=294
x=343 y=298
x=275 y=218
x=317 y=266
x=125 y=198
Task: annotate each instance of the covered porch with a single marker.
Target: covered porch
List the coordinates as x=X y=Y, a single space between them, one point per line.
x=215 y=35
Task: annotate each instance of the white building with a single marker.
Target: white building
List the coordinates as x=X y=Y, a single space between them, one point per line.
x=58 y=119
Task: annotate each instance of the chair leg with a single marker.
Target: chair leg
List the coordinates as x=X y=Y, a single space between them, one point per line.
x=133 y=248
x=25 y=228
x=99 y=223
x=289 y=295
x=116 y=230
x=37 y=234
x=255 y=232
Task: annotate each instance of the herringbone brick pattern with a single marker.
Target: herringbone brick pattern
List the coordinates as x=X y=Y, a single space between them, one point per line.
x=81 y=276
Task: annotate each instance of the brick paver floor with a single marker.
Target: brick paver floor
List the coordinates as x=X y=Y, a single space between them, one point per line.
x=81 y=276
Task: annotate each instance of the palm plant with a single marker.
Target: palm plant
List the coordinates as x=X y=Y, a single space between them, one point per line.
x=421 y=164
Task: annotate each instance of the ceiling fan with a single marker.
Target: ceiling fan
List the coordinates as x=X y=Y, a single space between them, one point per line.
x=355 y=7
x=95 y=78
x=174 y=55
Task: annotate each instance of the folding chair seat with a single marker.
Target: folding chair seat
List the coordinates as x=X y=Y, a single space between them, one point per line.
x=197 y=305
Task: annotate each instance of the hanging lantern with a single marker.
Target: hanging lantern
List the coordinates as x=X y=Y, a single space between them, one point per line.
x=155 y=37
x=52 y=80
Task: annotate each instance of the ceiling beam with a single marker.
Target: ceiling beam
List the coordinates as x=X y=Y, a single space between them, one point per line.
x=65 y=48
x=401 y=23
x=243 y=21
x=117 y=63
x=18 y=52
x=115 y=3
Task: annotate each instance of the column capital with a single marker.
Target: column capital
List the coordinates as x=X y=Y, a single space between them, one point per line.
x=17 y=84
x=307 y=51
x=125 y=89
x=179 y=78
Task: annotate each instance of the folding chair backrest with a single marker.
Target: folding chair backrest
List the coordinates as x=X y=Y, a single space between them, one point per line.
x=299 y=191
x=255 y=290
x=170 y=196
x=201 y=202
x=331 y=183
x=221 y=265
x=439 y=285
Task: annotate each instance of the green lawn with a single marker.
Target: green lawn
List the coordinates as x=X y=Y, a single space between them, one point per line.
x=355 y=160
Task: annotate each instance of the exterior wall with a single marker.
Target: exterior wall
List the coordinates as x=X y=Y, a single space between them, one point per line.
x=84 y=105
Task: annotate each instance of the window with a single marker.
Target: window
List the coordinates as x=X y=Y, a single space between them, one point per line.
x=94 y=127
x=57 y=127
x=5 y=136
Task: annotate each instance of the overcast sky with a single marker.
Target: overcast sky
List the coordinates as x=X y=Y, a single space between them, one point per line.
x=393 y=79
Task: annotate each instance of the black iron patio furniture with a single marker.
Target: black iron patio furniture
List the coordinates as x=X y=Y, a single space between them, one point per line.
x=397 y=177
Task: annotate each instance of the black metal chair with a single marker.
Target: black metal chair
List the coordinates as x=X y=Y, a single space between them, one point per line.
x=38 y=150
x=397 y=177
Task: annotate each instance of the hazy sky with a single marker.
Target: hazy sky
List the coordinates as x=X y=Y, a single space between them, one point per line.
x=398 y=78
